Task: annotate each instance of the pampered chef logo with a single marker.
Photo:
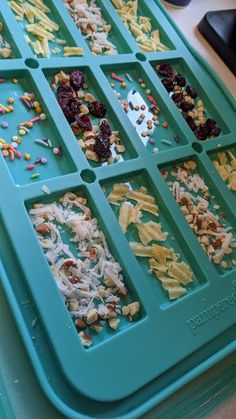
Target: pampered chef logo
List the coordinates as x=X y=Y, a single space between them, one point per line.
x=215 y=311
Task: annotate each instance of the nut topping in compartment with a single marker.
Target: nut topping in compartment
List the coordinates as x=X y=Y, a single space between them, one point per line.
x=5 y=47
x=89 y=278
x=89 y=19
x=202 y=212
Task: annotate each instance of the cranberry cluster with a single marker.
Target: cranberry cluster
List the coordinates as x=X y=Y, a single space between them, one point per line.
x=70 y=105
x=175 y=83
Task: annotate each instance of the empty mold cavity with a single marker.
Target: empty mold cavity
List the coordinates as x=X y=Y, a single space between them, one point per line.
x=144 y=107
x=111 y=148
x=53 y=42
x=190 y=97
x=8 y=48
x=144 y=220
x=114 y=42
x=35 y=150
x=76 y=244
x=224 y=161
x=205 y=210
x=152 y=37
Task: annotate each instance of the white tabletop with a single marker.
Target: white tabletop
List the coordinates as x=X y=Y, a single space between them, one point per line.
x=187 y=19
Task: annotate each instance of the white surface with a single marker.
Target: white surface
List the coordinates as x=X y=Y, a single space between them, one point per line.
x=187 y=19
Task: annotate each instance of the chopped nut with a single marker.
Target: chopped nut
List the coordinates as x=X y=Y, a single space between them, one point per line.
x=80 y=324
x=125 y=310
x=91 y=316
x=84 y=109
x=43 y=228
x=86 y=339
x=120 y=148
x=91 y=155
x=134 y=308
x=88 y=135
x=114 y=323
x=88 y=97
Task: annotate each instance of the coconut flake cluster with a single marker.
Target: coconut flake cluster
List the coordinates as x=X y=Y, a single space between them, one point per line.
x=85 y=271
x=89 y=19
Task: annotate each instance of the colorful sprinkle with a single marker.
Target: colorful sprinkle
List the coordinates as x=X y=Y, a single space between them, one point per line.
x=128 y=77
x=35 y=175
x=166 y=142
x=30 y=167
x=27 y=156
x=43 y=160
x=117 y=78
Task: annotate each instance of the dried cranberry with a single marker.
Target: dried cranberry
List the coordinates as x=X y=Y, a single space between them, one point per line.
x=180 y=80
x=164 y=70
x=168 y=83
x=202 y=133
x=64 y=93
x=102 y=146
x=70 y=108
x=185 y=106
x=211 y=123
x=191 y=123
x=84 y=122
x=177 y=97
x=76 y=79
x=97 y=109
x=74 y=105
x=105 y=128
x=68 y=114
x=191 y=91
x=215 y=131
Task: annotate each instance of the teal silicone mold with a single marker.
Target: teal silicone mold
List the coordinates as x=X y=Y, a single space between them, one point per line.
x=133 y=370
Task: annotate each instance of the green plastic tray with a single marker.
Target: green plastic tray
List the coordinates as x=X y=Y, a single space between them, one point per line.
x=125 y=373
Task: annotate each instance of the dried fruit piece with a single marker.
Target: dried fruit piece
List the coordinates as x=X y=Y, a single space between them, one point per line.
x=180 y=80
x=191 y=91
x=105 y=128
x=164 y=70
x=76 y=79
x=97 y=109
x=102 y=146
x=84 y=122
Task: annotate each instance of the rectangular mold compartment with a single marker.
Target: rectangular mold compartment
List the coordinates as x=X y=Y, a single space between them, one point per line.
x=217 y=206
x=157 y=132
x=135 y=181
x=224 y=160
x=115 y=124
x=7 y=37
x=115 y=36
x=67 y=234
x=207 y=97
x=56 y=165
x=61 y=33
x=145 y=11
